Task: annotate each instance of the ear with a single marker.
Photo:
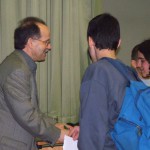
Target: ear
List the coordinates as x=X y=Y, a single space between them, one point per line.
x=133 y=64
x=119 y=43
x=30 y=42
x=91 y=42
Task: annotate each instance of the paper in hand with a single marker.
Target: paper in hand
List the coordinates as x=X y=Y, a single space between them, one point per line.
x=69 y=143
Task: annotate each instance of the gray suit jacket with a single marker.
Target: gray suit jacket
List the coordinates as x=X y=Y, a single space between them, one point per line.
x=20 y=118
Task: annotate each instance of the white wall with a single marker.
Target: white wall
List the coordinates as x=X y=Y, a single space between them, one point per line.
x=134 y=18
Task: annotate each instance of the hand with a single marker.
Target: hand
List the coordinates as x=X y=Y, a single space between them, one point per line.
x=63 y=126
x=60 y=125
x=62 y=135
x=74 y=132
x=65 y=129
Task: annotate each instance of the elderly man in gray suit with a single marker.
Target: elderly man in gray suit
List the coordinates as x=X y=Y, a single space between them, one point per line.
x=20 y=118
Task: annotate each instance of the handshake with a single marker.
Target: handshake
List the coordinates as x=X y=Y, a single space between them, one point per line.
x=68 y=129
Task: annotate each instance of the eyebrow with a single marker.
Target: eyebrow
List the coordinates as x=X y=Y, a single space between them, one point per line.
x=141 y=58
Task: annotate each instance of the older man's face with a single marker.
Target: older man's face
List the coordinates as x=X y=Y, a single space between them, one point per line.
x=41 y=45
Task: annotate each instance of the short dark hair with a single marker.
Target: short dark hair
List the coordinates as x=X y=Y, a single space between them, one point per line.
x=27 y=28
x=144 y=48
x=134 y=52
x=104 y=29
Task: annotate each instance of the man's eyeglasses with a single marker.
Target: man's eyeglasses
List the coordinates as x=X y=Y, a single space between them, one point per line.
x=47 y=42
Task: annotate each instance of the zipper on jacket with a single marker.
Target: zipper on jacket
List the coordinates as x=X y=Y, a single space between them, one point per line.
x=139 y=128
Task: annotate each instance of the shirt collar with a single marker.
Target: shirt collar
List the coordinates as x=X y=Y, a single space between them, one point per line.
x=32 y=65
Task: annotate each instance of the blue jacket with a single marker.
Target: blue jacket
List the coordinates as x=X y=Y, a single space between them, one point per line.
x=101 y=94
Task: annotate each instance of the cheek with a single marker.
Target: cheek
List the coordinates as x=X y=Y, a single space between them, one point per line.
x=146 y=67
x=39 y=50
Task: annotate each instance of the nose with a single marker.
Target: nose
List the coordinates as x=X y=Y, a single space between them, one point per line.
x=49 y=47
x=138 y=63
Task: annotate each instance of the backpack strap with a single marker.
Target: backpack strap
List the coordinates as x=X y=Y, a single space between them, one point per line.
x=126 y=71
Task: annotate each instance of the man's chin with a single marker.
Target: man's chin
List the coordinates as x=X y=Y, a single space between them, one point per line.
x=41 y=60
x=146 y=76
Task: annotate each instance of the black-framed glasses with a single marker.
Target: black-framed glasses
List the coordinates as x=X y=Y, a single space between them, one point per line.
x=46 y=42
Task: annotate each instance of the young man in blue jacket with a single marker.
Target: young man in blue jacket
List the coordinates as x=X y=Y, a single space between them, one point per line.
x=103 y=86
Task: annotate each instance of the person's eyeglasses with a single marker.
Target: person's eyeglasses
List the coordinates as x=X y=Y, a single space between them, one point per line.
x=47 y=42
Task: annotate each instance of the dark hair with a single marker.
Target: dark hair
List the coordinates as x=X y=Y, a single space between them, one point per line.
x=144 y=48
x=104 y=29
x=134 y=52
x=27 y=28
